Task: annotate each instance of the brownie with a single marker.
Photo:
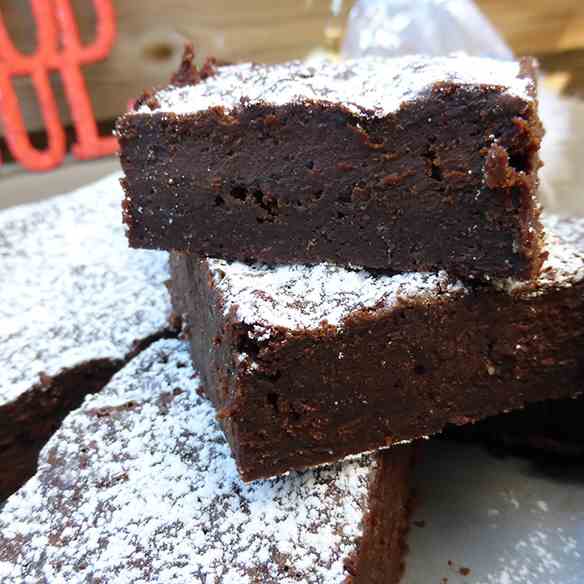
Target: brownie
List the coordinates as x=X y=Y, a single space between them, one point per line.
x=138 y=485
x=75 y=305
x=405 y=164
x=308 y=364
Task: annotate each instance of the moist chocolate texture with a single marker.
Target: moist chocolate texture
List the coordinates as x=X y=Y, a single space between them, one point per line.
x=75 y=305
x=409 y=164
x=307 y=364
x=138 y=485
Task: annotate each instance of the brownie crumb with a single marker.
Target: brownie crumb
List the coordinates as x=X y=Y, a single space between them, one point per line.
x=498 y=173
x=187 y=73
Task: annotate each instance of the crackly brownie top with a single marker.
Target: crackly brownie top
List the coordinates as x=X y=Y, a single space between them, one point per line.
x=373 y=84
x=139 y=486
x=302 y=297
x=72 y=291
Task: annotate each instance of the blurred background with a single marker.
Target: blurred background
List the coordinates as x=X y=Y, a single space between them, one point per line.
x=151 y=34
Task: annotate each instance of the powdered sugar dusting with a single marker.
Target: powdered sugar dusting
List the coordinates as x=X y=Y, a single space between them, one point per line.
x=565 y=244
x=302 y=297
x=373 y=84
x=139 y=486
x=531 y=560
x=72 y=291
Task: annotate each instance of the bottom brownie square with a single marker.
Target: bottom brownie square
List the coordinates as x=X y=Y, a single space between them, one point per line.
x=139 y=486
x=307 y=364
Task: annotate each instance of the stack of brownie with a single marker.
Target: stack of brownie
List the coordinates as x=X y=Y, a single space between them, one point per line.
x=392 y=205
x=358 y=261
x=137 y=484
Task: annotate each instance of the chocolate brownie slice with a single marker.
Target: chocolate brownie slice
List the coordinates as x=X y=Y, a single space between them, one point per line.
x=75 y=304
x=307 y=364
x=138 y=485
x=408 y=164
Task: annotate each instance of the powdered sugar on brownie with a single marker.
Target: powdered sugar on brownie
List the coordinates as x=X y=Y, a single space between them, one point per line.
x=302 y=297
x=139 y=486
x=375 y=85
x=72 y=291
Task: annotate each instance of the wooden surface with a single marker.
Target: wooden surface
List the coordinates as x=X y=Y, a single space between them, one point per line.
x=538 y=26
x=565 y=71
x=151 y=34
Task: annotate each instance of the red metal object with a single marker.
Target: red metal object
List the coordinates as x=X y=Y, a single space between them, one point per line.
x=59 y=48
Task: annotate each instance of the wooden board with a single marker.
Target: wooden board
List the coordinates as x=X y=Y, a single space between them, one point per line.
x=565 y=71
x=151 y=35
x=538 y=26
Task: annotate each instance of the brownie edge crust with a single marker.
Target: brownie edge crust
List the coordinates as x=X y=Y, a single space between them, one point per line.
x=308 y=364
x=406 y=164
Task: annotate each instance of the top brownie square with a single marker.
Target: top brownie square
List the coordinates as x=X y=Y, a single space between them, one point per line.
x=405 y=164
